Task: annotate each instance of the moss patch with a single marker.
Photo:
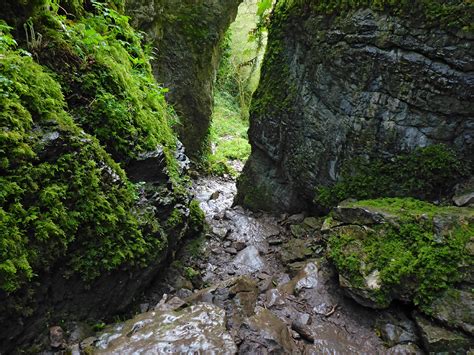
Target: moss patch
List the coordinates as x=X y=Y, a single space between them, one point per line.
x=61 y=193
x=427 y=173
x=106 y=79
x=414 y=257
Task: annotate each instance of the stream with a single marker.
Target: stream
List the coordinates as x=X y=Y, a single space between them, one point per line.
x=265 y=286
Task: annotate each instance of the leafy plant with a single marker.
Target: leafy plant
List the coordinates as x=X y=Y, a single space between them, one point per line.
x=6 y=39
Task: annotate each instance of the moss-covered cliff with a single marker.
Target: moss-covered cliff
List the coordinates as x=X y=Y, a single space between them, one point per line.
x=357 y=89
x=187 y=37
x=93 y=195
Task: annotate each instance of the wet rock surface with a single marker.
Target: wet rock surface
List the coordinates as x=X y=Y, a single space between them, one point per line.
x=198 y=328
x=438 y=339
x=253 y=291
x=267 y=305
x=450 y=310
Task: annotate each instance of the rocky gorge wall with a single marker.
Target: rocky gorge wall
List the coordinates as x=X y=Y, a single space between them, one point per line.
x=186 y=36
x=93 y=188
x=343 y=84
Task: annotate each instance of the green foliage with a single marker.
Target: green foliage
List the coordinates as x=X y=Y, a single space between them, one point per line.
x=229 y=135
x=190 y=273
x=97 y=327
x=242 y=54
x=238 y=76
x=6 y=39
x=196 y=218
x=408 y=254
x=427 y=173
x=263 y=7
x=62 y=196
x=107 y=80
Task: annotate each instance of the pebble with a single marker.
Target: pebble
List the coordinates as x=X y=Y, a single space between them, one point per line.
x=56 y=337
x=239 y=246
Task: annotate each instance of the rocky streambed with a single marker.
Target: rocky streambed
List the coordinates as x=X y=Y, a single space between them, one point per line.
x=259 y=283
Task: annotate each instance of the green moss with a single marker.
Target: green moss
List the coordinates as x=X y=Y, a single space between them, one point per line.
x=190 y=273
x=107 y=81
x=255 y=197
x=196 y=219
x=347 y=261
x=195 y=247
x=62 y=194
x=409 y=254
x=400 y=206
x=428 y=173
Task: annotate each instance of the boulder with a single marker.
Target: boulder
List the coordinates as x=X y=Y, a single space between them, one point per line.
x=454 y=308
x=403 y=255
x=396 y=329
x=197 y=329
x=437 y=339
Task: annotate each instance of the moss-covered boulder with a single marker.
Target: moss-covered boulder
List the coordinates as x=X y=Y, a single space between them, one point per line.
x=406 y=250
x=186 y=36
x=410 y=250
x=351 y=95
x=93 y=191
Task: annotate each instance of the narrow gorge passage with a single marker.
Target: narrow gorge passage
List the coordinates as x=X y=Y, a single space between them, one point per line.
x=236 y=177
x=269 y=289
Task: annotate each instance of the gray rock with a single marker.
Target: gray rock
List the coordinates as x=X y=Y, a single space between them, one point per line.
x=56 y=337
x=144 y=307
x=199 y=328
x=464 y=200
x=74 y=349
x=312 y=222
x=239 y=246
x=231 y=251
x=396 y=329
x=437 y=339
x=186 y=35
x=359 y=85
x=295 y=250
x=405 y=349
x=248 y=260
x=455 y=308
x=79 y=331
x=361 y=216
x=268 y=331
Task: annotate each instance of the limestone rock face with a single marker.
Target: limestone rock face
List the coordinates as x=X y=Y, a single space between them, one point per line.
x=186 y=35
x=354 y=85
